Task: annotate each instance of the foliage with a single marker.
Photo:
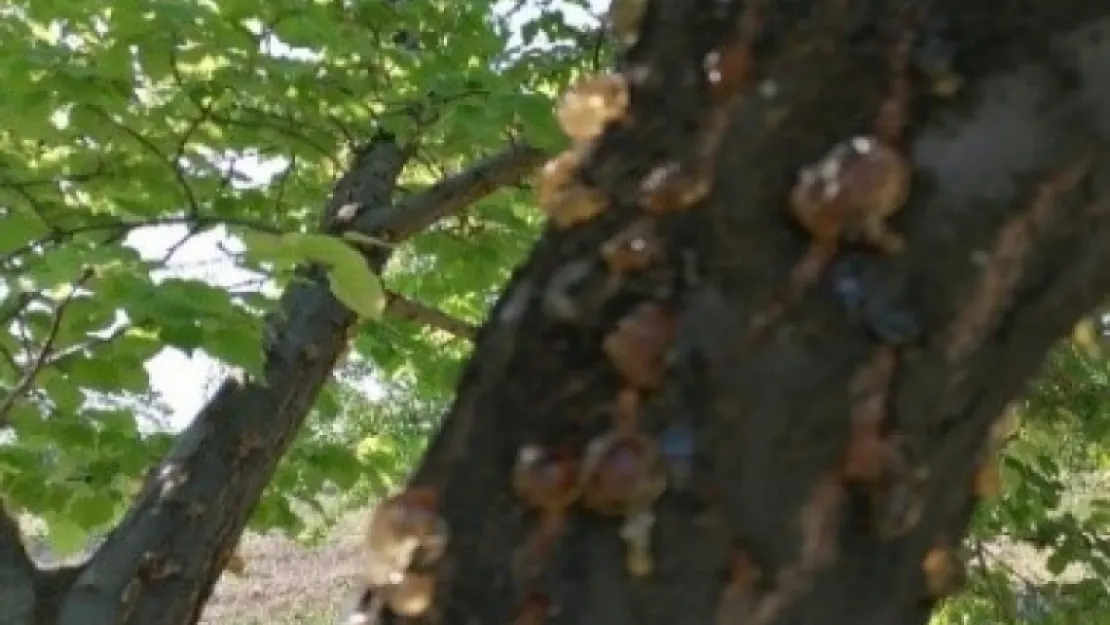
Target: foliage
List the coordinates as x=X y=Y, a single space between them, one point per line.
x=1041 y=552
x=357 y=448
x=237 y=117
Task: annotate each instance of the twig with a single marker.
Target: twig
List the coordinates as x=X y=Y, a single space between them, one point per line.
x=182 y=180
x=599 y=40
x=194 y=230
x=9 y=359
x=25 y=384
x=290 y=130
x=40 y=359
x=101 y=170
x=123 y=228
x=400 y=307
x=415 y=213
x=245 y=287
x=22 y=299
x=70 y=352
x=282 y=181
x=205 y=114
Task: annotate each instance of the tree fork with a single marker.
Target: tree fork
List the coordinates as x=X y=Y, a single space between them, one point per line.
x=1007 y=231
x=161 y=563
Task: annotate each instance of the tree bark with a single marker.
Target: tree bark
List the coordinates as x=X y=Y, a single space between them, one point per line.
x=160 y=563
x=1008 y=230
x=17 y=574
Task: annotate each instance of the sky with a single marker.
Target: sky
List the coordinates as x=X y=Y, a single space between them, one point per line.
x=185 y=382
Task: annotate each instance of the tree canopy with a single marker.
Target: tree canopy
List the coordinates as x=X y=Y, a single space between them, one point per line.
x=366 y=168
x=238 y=120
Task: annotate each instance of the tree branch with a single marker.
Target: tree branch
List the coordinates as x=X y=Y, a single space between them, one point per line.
x=190 y=197
x=401 y=307
x=51 y=587
x=121 y=228
x=417 y=212
x=17 y=574
x=40 y=360
x=18 y=305
x=150 y=570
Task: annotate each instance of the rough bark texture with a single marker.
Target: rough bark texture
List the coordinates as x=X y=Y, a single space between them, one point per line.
x=1008 y=230
x=160 y=564
x=17 y=588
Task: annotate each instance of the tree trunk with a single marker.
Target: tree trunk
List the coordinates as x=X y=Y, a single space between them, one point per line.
x=773 y=368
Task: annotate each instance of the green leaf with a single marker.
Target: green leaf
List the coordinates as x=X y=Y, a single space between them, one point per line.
x=91 y=511
x=19 y=230
x=265 y=246
x=238 y=345
x=62 y=390
x=350 y=278
x=374 y=446
x=126 y=372
x=184 y=334
x=324 y=249
x=1058 y=561
x=67 y=536
x=359 y=289
x=15 y=462
x=61 y=266
x=338 y=464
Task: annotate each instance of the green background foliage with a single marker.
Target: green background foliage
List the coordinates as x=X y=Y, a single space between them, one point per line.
x=1040 y=553
x=233 y=121
x=139 y=121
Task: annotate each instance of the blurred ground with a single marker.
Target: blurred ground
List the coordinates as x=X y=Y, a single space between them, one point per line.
x=285 y=583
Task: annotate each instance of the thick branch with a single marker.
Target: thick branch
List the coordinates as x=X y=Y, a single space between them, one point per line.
x=159 y=565
x=121 y=228
x=453 y=194
x=17 y=574
x=401 y=307
x=51 y=587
